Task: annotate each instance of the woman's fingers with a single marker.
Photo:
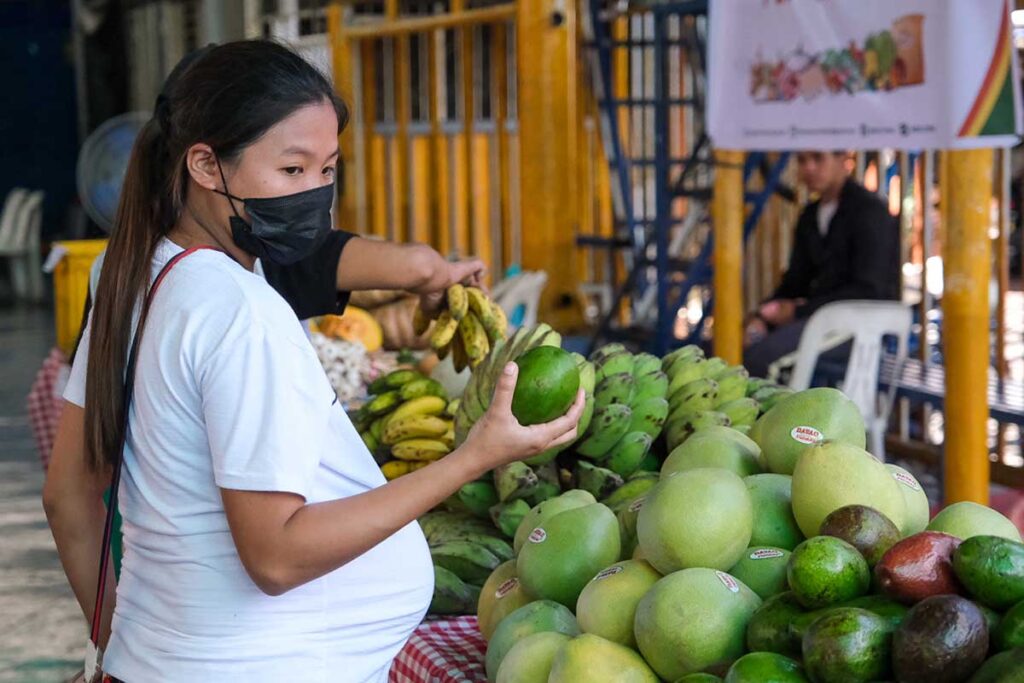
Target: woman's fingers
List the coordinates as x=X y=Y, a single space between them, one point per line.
x=502 y=401
x=558 y=429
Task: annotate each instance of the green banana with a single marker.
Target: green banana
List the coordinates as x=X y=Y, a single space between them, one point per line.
x=377 y=428
x=372 y=444
x=649 y=416
x=545 y=490
x=700 y=394
x=599 y=355
x=471 y=404
x=452 y=595
x=679 y=430
x=478 y=497
x=715 y=366
x=637 y=485
x=383 y=403
x=769 y=396
x=616 y=388
x=755 y=383
x=732 y=384
x=463 y=424
x=552 y=338
x=742 y=411
x=507 y=516
x=644 y=363
x=683 y=373
x=395 y=379
x=614 y=364
x=599 y=481
x=690 y=351
x=743 y=429
x=650 y=464
x=453 y=407
x=469 y=561
x=585 y=418
x=606 y=428
x=423 y=386
x=514 y=480
x=588 y=377
x=650 y=385
x=440 y=526
x=628 y=453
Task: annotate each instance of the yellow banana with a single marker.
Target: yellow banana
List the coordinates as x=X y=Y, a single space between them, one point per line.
x=424 y=405
x=502 y=321
x=448 y=438
x=478 y=302
x=458 y=302
x=420 y=322
x=414 y=426
x=393 y=469
x=474 y=338
x=460 y=359
x=420 y=450
x=444 y=331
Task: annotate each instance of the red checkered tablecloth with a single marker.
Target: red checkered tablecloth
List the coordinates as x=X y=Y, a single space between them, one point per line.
x=45 y=402
x=442 y=651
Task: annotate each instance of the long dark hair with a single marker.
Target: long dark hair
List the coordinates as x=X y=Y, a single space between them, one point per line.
x=226 y=96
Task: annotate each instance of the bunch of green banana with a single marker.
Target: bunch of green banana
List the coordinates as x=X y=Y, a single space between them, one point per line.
x=467 y=327
x=465 y=550
x=407 y=422
x=703 y=392
x=630 y=410
x=766 y=393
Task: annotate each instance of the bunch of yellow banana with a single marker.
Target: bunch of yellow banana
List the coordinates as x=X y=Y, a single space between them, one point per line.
x=407 y=423
x=467 y=327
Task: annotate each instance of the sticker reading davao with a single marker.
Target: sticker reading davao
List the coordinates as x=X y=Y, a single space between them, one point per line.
x=538 y=535
x=728 y=582
x=766 y=553
x=506 y=587
x=807 y=435
x=906 y=480
x=636 y=504
x=611 y=571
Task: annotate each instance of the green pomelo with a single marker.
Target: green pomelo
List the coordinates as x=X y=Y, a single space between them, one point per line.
x=696 y=518
x=825 y=570
x=966 y=519
x=765 y=667
x=755 y=434
x=721 y=447
x=833 y=475
x=804 y=419
x=593 y=659
x=537 y=617
x=917 y=509
x=693 y=619
x=576 y=498
x=763 y=569
x=562 y=555
x=530 y=660
x=865 y=528
x=774 y=524
x=501 y=595
x=607 y=605
x=547 y=385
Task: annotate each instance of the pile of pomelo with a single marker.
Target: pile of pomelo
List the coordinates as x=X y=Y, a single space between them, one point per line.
x=789 y=554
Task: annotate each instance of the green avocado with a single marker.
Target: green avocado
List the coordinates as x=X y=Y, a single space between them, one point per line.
x=769 y=628
x=992 y=570
x=848 y=644
x=1009 y=634
x=1005 y=667
x=547 y=385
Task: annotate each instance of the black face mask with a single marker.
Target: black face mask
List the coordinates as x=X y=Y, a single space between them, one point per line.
x=285 y=229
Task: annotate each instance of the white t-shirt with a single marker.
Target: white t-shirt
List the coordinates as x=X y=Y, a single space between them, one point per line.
x=229 y=394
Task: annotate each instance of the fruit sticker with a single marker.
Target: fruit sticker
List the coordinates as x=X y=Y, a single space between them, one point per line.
x=906 y=480
x=506 y=587
x=636 y=504
x=765 y=553
x=728 y=582
x=807 y=435
x=611 y=571
x=538 y=535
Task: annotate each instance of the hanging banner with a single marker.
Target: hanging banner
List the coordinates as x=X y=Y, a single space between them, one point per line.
x=862 y=74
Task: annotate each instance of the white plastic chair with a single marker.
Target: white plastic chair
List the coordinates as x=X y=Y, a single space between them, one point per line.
x=867 y=322
x=19 y=242
x=523 y=289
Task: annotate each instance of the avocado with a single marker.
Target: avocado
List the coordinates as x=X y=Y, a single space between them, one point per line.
x=825 y=570
x=918 y=567
x=943 y=639
x=1005 y=667
x=992 y=570
x=848 y=644
x=890 y=610
x=546 y=386
x=769 y=628
x=700 y=678
x=1009 y=634
x=761 y=667
x=863 y=527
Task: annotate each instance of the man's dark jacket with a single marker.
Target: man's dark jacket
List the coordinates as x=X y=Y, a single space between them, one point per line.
x=858 y=258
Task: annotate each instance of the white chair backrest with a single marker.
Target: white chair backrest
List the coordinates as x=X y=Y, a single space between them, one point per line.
x=8 y=219
x=523 y=289
x=29 y=221
x=867 y=322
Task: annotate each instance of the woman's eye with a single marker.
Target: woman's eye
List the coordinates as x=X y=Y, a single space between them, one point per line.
x=329 y=171
x=292 y=170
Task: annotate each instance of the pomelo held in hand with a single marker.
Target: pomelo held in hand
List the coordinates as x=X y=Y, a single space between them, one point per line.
x=832 y=475
x=607 y=605
x=696 y=518
x=804 y=419
x=593 y=659
x=547 y=385
x=693 y=619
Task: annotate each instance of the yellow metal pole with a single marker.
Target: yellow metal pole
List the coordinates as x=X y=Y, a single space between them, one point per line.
x=546 y=41
x=967 y=271
x=727 y=218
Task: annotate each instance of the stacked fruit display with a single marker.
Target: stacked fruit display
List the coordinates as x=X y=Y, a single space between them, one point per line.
x=793 y=555
x=407 y=423
x=468 y=327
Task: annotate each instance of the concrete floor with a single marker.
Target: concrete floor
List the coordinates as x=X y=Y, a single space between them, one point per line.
x=42 y=631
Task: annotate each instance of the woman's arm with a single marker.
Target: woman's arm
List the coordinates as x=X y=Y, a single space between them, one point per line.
x=284 y=543
x=73 y=500
x=375 y=264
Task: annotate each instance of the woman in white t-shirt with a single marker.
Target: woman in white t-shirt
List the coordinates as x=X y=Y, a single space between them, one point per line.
x=261 y=541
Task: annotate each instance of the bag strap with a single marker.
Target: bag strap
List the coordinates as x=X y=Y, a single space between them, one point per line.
x=115 y=481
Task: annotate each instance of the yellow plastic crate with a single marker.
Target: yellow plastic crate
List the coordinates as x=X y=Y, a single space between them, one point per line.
x=70 y=286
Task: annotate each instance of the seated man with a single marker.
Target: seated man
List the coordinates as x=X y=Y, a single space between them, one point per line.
x=846 y=246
